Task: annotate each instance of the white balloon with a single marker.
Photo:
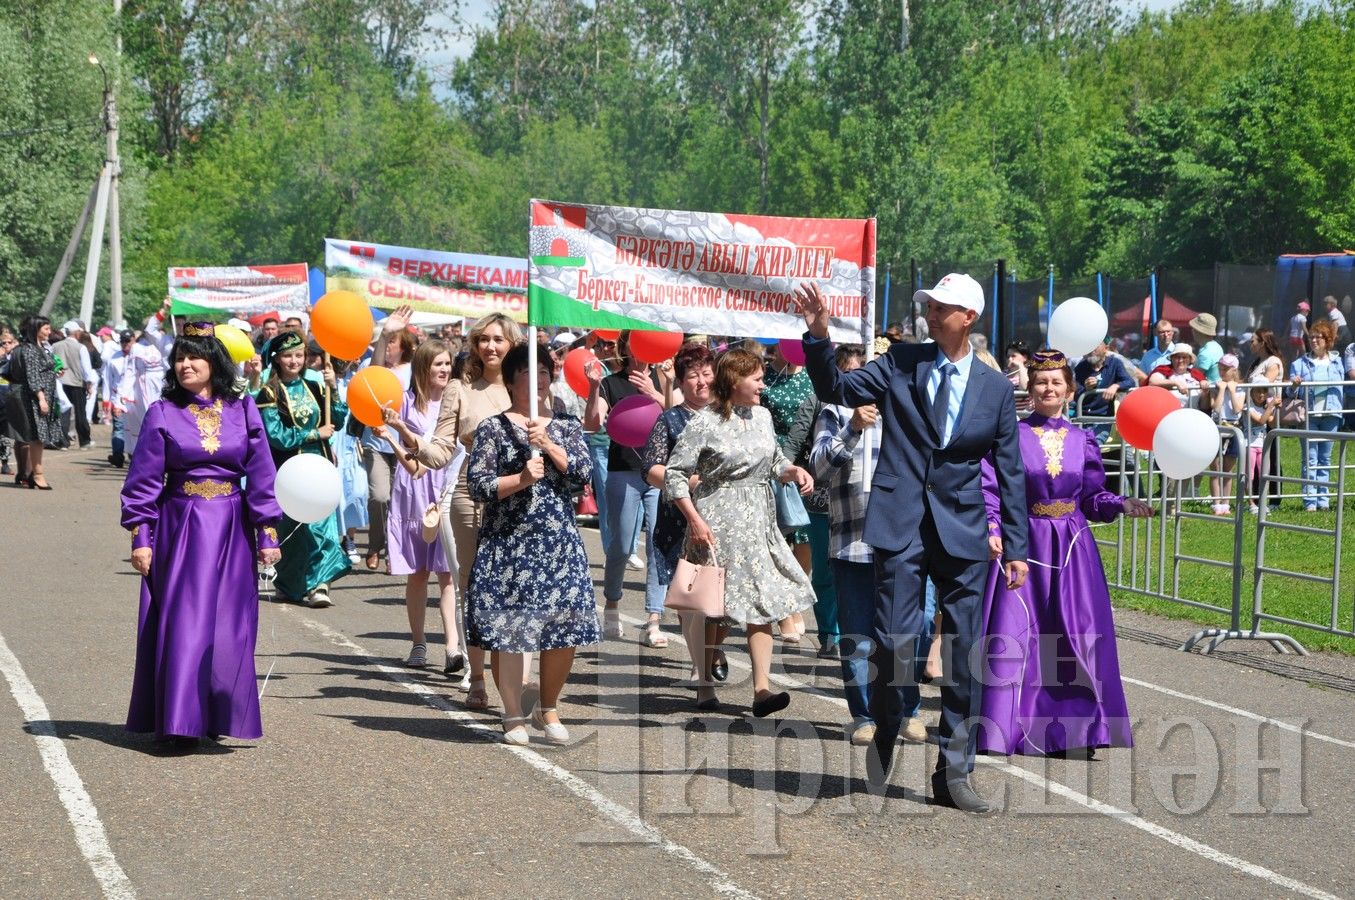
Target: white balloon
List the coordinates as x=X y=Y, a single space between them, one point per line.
x=1185 y=443
x=1077 y=326
x=308 y=487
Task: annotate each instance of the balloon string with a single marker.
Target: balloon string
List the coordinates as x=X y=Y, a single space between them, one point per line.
x=375 y=399
x=295 y=529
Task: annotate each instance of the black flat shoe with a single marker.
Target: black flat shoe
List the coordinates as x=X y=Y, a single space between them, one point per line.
x=455 y=663
x=829 y=649
x=770 y=704
x=720 y=669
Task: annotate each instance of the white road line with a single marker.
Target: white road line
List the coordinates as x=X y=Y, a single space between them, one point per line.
x=719 y=881
x=1172 y=837
x=1166 y=834
x=1246 y=714
x=89 y=831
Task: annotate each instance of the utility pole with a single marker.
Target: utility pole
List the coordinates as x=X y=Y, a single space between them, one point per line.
x=103 y=203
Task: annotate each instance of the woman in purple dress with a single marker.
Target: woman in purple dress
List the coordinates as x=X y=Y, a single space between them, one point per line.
x=1054 y=676
x=414 y=489
x=199 y=502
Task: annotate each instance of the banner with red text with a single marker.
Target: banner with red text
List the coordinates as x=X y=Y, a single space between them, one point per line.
x=713 y=273
x=441 y=286
x=238 y=290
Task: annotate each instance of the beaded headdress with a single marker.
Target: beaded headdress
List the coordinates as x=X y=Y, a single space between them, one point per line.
x=287 y=340
x=1046 y=360
x=199 y=330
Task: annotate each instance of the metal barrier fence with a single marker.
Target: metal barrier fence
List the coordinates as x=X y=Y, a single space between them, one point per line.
x=1148 y=555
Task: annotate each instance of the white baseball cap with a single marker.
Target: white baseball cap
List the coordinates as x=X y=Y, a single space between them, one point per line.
x=955 y=289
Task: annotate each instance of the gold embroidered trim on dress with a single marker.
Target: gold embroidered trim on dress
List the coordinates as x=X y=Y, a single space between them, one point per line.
x=136 y=531
x=271 y=532
x=1054 y=509
x=1051 y=442
x=208 y=488
x=208 y=420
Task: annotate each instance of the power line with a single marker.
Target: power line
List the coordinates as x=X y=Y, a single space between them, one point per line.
x=69 y=124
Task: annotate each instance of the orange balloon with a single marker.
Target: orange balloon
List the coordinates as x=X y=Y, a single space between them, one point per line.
x=372 y=390
x=576 y=374
x=342 y=324
x=654 y=346
x=606 y=334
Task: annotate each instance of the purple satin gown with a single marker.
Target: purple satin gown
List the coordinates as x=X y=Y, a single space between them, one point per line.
x=199 y=492
x=1053 y=682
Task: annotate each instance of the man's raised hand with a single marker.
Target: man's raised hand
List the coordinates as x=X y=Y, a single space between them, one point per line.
x=810 y=304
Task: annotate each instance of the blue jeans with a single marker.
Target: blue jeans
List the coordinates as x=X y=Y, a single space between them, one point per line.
x=1318 y=467
x=821 y=577
x=597 y=449
x=117 y=441
x=855 y=583
x=631 y=504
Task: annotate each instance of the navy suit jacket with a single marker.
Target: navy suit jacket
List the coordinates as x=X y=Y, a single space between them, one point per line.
x=913 y=475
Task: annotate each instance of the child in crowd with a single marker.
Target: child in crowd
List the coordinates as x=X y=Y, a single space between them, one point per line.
x=1261 y=413
x=1227 y=408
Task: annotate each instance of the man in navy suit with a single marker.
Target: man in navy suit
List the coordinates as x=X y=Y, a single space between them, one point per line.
x=942 y=411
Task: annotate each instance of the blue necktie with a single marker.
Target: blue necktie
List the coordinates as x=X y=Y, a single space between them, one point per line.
x=941 y=403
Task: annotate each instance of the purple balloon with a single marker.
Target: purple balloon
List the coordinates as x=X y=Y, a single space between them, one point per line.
x=632 y=419
x=793 y=351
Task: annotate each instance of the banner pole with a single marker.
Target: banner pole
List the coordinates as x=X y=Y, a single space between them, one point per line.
x=532 y=379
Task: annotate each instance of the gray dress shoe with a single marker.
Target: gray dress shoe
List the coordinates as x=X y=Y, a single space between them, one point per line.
x=958 y=795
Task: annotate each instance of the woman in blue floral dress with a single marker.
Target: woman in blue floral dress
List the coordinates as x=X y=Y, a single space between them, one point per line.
x=530 y=588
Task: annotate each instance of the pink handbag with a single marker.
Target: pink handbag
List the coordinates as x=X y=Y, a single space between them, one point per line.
x=697 y=588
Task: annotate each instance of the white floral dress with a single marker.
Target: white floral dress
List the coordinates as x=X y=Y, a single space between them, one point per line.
x=736 y=459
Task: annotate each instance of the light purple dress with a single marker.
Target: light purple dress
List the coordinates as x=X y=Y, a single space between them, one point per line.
x=1054 y=674
x=199 y=492
x=410 y=496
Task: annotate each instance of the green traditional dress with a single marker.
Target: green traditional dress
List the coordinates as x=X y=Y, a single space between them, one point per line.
x=311 y=554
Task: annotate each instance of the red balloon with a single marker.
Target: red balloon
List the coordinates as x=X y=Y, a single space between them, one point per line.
x=606 y=334
x=1140 y=412
x=654 y=346
x=576 y=376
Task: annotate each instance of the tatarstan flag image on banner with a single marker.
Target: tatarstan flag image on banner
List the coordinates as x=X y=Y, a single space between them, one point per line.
x=715 y=273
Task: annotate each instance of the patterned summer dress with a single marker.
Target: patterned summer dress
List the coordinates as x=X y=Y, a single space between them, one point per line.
x=736 y=459
x=530 y=587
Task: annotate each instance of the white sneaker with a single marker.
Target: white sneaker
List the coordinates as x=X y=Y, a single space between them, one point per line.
x=611 y=624
x=635 y=562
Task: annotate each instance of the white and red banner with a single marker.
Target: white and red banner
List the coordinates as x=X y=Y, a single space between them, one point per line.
x=713 y=273
x=238 y=290
x=441 y=286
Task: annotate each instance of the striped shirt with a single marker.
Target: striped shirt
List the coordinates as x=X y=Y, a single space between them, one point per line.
x=837 y=460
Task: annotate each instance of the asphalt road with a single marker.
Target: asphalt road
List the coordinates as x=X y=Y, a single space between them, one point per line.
x=373 y=780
